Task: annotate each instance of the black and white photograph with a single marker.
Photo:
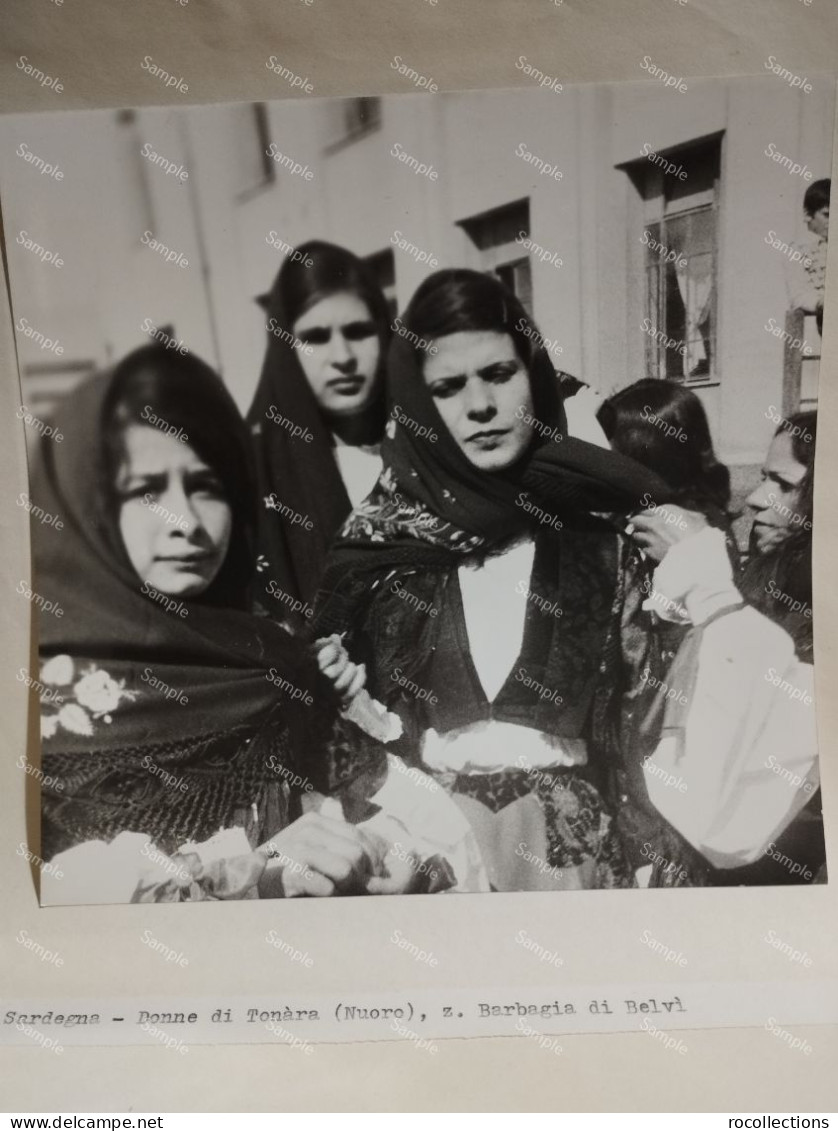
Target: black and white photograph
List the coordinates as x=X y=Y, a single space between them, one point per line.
x=421 y=486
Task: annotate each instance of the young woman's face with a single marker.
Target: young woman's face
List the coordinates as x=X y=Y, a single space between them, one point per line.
x=818 y=222
x=774 y=502
x=174 y=519
x=482 y=390
x=342 y=366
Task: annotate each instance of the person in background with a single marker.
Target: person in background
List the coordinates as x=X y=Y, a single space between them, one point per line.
x=741 y=736
x=806 y=279
x=663 y=426
x=317 y=417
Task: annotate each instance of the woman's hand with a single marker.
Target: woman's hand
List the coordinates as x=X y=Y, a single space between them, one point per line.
x=333 y=661
x=655 y=531
x=314 y=856
x=581 y=415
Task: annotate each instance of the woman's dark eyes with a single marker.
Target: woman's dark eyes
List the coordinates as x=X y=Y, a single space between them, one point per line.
x=135 y=492
x=352 y=331
x=205 y=484
x=499 y=373
x=357 y=331
x=200 y=484
x=316 y=336
x=495 y=375
x=447 y=388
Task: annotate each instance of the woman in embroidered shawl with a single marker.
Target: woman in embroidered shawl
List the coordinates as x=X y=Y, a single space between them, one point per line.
x=317 y=417
x=184 y=739
x=483 y=588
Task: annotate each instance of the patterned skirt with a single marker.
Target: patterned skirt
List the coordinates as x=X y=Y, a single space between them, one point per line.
x=547 y=831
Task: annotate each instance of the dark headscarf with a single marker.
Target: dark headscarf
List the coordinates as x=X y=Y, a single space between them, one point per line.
x=107 y=744
x=432 y=505
x=302 y=473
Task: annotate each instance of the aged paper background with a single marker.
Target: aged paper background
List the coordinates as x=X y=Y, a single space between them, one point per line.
x=219 y=46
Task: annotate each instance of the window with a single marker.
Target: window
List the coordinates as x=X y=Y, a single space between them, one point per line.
x=496 y=237
x=383 y=266
x=252 y=168
x=351 y=118
x=680 y=259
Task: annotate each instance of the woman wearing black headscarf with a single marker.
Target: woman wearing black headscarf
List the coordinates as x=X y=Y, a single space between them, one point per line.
x=485 y=592
x=317 y=417
x=170 y=715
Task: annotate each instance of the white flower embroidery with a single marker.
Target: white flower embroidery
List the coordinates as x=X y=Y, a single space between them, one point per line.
x=98 y=692
x=49 y=725
x=58 y=670
x=75 y=719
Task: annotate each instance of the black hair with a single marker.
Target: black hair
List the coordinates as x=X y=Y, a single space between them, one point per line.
x=190 y=396
x=689 y=465
x=458 y=300
x=816 y=196
x=326 y=269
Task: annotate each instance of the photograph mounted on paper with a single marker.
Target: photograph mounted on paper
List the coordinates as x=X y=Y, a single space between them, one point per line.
x=421 y=490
